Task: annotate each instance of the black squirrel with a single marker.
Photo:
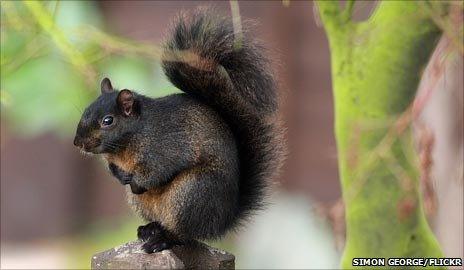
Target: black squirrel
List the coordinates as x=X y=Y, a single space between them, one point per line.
x=197 y=163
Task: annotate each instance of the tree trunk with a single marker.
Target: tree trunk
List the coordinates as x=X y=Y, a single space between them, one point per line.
x=376 y=66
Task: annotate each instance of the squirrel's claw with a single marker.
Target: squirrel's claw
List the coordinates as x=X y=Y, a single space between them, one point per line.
x=151 y=247
x=126 y=180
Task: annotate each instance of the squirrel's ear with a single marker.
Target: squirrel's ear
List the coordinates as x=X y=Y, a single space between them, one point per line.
x=126 y=102
x=106 y=86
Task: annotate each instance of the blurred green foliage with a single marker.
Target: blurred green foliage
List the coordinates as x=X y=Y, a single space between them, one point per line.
x=99 y=237
x=53 y=55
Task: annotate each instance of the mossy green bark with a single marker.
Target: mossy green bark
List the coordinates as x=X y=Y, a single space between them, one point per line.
x=376 y=67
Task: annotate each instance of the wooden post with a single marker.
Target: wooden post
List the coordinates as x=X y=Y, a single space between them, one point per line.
x=195 y=255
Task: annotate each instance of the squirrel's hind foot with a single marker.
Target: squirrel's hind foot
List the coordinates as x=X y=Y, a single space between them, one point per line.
x=156 y=238
x=144 y=232
x=153 y=245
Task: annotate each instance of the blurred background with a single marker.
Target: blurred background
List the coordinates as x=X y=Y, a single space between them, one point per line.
x=59 y=207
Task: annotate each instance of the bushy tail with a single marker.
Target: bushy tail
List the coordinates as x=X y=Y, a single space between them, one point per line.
x=205 y=58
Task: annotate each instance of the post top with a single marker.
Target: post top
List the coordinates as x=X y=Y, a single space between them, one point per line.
x=194 y=255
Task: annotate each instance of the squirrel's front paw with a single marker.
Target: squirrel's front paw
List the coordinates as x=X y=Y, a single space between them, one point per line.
x=136 y=189
x=126 y=179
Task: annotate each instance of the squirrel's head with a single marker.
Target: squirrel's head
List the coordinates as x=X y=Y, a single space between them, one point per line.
x=108 y=122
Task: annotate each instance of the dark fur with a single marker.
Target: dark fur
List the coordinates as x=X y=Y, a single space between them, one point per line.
x=200 y=161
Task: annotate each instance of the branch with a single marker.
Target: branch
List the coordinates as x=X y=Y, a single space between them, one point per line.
x=330 y=14
x=348 y=12
x=46 y=22
x=335 y=20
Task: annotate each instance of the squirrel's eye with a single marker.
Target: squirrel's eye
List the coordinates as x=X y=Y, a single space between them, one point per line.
x=107 y=120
